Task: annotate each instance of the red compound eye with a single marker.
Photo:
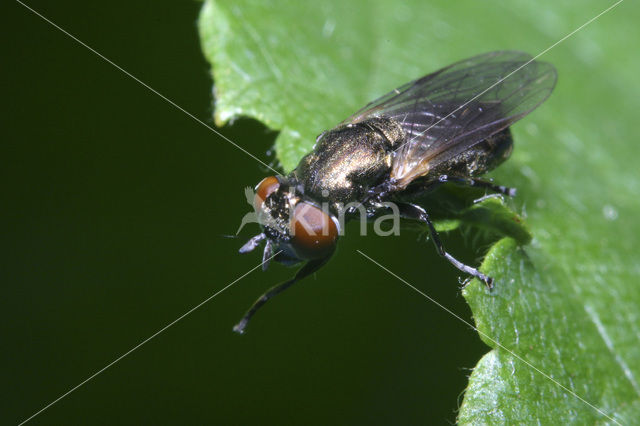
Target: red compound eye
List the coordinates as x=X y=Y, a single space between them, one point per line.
x=313 y=232
x=265 y=188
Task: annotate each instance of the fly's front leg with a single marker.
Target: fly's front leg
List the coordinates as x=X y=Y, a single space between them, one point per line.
x=412 y=211
x=309 y=268
x=478 y=183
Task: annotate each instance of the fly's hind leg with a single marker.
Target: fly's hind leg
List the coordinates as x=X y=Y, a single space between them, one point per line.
x=412 y=211
x=478 y=183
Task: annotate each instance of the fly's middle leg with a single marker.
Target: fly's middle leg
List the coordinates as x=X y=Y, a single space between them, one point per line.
x=412 y=211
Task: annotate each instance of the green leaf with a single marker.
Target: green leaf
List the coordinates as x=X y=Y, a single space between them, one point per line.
x=567 y=303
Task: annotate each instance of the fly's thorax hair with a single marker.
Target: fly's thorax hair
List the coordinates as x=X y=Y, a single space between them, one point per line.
x=389 y=128
x=348 y=160
x=300 y=227
x=276 y=211
x=278 y=208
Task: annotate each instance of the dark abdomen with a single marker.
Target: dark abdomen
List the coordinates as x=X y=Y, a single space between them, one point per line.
x=477 y=160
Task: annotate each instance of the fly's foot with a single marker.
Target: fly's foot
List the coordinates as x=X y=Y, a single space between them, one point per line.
x=488 y=281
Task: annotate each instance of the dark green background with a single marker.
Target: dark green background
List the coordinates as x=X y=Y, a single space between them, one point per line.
x=114 y=206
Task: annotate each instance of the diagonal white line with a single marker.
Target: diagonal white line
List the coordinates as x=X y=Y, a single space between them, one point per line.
x=145 y=341
x=493 y=340
x=512 y=72
x=146 y=86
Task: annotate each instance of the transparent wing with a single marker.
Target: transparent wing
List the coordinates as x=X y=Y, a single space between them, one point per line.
x=450 y=110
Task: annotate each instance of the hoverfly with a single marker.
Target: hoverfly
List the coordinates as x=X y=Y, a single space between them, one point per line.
x=448 y=126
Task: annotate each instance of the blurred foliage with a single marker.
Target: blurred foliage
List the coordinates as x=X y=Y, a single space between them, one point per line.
x=567 y=303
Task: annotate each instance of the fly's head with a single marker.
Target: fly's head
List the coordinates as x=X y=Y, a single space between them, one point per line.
x=295 y=228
